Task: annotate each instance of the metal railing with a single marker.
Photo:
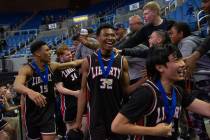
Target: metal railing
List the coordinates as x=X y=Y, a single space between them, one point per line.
x=199 y=19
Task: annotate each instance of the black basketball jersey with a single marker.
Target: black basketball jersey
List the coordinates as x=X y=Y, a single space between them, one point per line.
x=105 y=94
x=157 y=114
x=34 y=114
x=71 y=79
x=1 y=110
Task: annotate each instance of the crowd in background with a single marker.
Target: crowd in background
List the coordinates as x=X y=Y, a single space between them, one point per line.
x=152 y=31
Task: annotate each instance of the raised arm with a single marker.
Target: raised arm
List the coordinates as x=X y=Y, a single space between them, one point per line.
x=138 y=51
x=90 y=43
x=59 y=66
x=134 y=40
x=82 y=98
x=19 y=86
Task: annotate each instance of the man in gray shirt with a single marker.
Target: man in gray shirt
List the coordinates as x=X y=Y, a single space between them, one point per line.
x=82 y=51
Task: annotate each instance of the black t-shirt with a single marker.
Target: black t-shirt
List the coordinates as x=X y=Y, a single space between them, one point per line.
x=142 y=36
x=146 y=103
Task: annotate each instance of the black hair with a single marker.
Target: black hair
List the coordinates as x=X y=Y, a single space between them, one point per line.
x=183 y=27
x=2 y=84
x=170 y=24
x=159 y=56
x=37 y=45
x=75 y=37
x=104 y=26
x=90 y=30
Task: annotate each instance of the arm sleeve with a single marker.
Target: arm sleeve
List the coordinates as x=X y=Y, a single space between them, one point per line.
x=205 y=46
x=134 y=40
x=136 y=52
x=139 y=104
x=187 y=100
x=187 y=48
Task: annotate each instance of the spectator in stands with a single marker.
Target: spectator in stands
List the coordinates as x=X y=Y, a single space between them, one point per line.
x=121 y=32
x=181 y=36
x=75 y=44
x=153 y=21
x=91 y=33
x=187 y=43
x=136 y=65
x=6 y=131
x=157 y=38
x=82 y=51
x=206 y=8
x=135 y=24
x=90 y=41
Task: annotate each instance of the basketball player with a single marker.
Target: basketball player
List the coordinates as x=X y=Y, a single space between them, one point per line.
x=35 y=82
x=159 y=101
x=105 y=77
x=68 y=83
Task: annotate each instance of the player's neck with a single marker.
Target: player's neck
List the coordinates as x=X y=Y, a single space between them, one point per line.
x=167 y=85
x=106 y=53
x=158 y=21
x=39 y=63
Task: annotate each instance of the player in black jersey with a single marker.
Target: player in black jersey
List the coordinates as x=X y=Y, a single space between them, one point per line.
x=68 y=83
x=105 y=78
x=35 y=82
x=158 y=102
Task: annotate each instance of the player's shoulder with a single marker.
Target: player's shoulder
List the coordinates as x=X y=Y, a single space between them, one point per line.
x=26 y=69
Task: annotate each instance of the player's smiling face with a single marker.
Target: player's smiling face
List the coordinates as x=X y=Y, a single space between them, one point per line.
x=44 y=54
x=174 y=70
x=66 y=57
x=107 y=38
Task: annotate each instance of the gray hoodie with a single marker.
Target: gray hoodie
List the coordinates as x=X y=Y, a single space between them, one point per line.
x=187 y=46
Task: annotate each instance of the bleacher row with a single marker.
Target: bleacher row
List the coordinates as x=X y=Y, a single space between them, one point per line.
x=186 y=12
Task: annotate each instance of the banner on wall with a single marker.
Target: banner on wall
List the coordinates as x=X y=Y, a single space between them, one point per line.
x=134 y=6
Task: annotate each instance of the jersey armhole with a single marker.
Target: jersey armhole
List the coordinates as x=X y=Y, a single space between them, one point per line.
x=28 y=77
x=51 y=71
x=178 y=92
x=121 y=65
x=154 y=103
x=89 y=61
